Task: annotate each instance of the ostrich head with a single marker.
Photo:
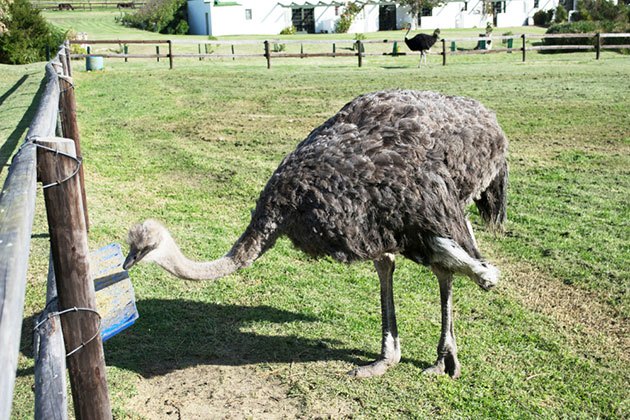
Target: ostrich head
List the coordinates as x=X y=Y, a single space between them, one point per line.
x=146 y=241
x=436 y=33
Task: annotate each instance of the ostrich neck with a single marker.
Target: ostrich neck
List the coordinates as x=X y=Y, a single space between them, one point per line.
x=176 y=263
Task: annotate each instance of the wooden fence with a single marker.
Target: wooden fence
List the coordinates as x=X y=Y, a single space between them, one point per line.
x=274 y=49
x=57 y=163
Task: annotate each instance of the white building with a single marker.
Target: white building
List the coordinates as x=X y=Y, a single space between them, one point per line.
x=249 y=17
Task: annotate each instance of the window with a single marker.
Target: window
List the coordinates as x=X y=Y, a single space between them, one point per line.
x=536 y=4
x=248 y=14
x=426 y=11
x=303 y=19
x=465 y=6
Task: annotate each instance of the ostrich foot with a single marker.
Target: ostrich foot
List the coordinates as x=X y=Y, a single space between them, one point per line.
x=376 y=368
x=447 y=364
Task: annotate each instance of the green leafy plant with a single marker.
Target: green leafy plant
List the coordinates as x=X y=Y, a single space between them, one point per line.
x=289 y=30
x=543 y=17
x=27 y=35
x=347 y=17
x=163 y=16
x=561 y=14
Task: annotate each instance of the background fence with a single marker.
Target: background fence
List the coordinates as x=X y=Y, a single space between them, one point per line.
x=277 y=49
x=57 y=163
x=87 y=5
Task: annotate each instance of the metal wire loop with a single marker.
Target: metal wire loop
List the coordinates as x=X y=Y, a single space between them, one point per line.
x=78 y=160
x=73 y=309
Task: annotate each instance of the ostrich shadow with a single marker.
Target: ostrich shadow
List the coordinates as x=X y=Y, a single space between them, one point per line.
x=175 y=334
x=171 y=335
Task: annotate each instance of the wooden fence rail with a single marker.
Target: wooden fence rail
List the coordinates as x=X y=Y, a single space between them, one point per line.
x=267 y=52
x=54 y=161
x=17 y=209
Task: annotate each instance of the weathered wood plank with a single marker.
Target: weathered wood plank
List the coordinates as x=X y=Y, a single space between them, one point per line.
x=17 y=207
x=69 y=244
x=51 y=400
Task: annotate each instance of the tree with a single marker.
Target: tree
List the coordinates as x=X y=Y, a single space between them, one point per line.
x=561 y=14
x=4 y=15
x=416 y=6
x=26 y=35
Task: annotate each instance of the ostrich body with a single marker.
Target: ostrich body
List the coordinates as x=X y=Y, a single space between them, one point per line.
x=391 y=173
x=422 y=43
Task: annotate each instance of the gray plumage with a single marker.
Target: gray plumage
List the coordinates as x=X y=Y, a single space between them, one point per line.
x=391 y=173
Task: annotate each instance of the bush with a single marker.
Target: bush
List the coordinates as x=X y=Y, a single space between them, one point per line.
x=347 y=17
x=561 y=14
x=289 y=30
x=541 y=18
x=72 y=35
x=26 y=35
x=602 y=10
x=163 y=16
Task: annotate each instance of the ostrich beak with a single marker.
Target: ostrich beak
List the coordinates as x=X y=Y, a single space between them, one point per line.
x=131 y=260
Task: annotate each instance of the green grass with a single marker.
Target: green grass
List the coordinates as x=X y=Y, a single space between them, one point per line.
x=194 y=146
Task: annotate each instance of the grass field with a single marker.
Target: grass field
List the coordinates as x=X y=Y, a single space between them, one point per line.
x=194 y=146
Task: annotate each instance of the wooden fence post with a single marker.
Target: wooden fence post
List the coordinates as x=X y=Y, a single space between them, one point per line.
x=157 y=52
x=70 y=129
x=267 y=54
x=524 y=48
x=51 y=401
x=69 y=245
x=334 y=50
x=598 y=45
x=67 y=63
x=232 y=48
x=170 y=54
x=443 y=52
x=359 y=52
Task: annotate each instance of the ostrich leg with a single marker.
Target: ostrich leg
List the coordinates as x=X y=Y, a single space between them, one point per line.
x=447 y=348
x=390 y=345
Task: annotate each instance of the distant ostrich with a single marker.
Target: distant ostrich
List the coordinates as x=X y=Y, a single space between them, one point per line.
x=422 y=43
x=392 y=172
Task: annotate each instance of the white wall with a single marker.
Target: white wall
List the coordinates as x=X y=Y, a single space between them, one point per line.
x=366 y=20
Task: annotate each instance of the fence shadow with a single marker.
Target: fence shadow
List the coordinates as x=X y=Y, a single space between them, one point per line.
x=6 y=150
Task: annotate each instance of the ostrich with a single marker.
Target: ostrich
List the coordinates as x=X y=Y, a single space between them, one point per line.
x=391 y=173
x=422 y=43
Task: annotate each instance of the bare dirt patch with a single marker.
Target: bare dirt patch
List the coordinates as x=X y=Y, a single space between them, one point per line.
x=209 y=392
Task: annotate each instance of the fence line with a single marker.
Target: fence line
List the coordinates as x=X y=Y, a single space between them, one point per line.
x=17 y=209
x=68 y=231
x=356 y=45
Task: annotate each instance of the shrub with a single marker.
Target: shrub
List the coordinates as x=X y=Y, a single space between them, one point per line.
x=289 y=30
x=561 y=14
x=541 y=18
x=26 y=35
x=163 y=16
x=347 y=17
x=75 y=48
